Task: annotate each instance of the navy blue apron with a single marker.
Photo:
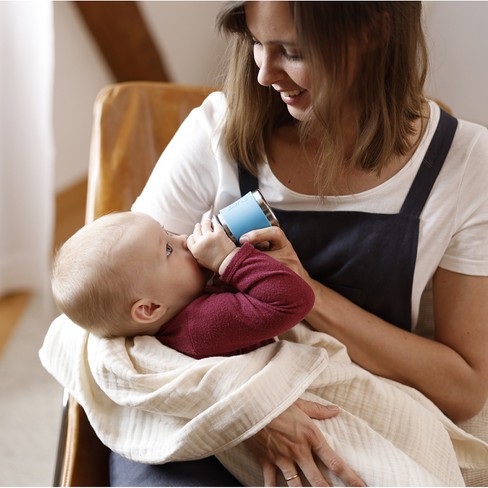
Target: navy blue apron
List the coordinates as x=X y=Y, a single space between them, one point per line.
x=368 y=258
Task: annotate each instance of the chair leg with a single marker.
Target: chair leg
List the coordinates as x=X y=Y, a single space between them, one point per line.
x=82 y=459
x=58 y=471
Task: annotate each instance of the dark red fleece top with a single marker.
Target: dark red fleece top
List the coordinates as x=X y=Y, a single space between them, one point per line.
x=257 y=299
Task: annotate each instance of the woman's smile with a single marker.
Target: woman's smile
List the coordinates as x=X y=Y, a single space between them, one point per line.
x=277 y=55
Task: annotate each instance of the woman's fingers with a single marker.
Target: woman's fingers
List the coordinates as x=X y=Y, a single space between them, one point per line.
x=263 y=246
x=303 y=470
x=274 y=235
x=337 y=466
x=290 y=472
x=292 y=478
x=294 y=445
x=312 y=473
x=317 y=411
x=269 y=472
x=323 y=451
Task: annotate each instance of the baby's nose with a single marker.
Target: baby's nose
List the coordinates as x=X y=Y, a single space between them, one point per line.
x=184 y=238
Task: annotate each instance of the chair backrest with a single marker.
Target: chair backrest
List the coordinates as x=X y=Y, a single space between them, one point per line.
x=133 y=123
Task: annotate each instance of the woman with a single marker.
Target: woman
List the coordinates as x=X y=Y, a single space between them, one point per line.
x=325 y=112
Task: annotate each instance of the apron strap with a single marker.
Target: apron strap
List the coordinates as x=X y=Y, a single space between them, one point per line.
x=247 y=182
x=426 y=175
x=431 y=165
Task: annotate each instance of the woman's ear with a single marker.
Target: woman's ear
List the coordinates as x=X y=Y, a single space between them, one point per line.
x=145 y=311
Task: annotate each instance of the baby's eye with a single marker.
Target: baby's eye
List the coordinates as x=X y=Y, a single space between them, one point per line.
x=169 y=249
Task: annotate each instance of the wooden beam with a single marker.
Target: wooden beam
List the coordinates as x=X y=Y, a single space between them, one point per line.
x=121 y=34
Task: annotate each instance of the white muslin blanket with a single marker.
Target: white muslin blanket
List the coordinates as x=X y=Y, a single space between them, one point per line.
x=155 y=405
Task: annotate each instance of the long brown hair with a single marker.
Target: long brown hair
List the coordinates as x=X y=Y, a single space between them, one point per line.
x=387 y=92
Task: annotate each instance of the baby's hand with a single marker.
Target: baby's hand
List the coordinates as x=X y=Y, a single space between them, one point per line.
x=210 y=246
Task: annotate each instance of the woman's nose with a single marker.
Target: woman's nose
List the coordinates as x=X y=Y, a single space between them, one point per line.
x=269 y=70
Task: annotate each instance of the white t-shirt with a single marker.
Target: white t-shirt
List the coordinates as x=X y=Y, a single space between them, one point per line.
x=196 y=177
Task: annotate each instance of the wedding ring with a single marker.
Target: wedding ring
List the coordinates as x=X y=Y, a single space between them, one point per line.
x=291 y=477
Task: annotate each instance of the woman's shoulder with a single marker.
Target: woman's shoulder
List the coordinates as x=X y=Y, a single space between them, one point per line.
x=203 y=123
x=216 y=98
x=472 y=130
x=214 y=106
x=468 y=128
x=469 y=133
x=205 y=120
x=471 y=145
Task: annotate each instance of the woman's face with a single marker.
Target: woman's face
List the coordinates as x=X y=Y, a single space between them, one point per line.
x=277 y=55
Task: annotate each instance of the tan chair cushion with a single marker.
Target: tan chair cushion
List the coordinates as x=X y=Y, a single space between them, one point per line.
x=133 y=123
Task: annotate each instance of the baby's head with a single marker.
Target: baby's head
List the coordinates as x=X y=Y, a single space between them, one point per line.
x=124 y=275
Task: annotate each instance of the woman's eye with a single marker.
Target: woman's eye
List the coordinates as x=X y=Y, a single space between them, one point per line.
x=169 y=250
x=293 y=57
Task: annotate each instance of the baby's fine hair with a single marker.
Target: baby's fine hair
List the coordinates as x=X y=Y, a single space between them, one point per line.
x=90 y=285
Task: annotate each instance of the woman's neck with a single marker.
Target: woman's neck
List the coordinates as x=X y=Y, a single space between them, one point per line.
x=294 y=162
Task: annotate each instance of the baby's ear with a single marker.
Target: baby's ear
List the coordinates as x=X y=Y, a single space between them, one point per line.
x=145 y=311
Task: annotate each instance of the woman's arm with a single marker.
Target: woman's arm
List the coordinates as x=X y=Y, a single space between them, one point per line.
x=451 y=370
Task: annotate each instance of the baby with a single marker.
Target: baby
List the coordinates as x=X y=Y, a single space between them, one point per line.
x=125 y=275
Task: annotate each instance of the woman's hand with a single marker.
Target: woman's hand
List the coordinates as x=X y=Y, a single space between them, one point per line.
x=292 y=443
x=279 y=247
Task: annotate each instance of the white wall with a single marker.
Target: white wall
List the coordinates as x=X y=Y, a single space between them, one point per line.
x=457 y=35
x=187 y=39
x=79 y=74
x=185 y=34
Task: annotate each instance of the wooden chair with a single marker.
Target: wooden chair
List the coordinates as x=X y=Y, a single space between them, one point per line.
x=133 y=123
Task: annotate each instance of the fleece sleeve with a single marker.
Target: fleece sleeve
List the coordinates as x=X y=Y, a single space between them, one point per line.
x=269 y=299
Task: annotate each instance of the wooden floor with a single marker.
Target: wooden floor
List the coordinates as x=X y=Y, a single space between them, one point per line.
x=70 y=216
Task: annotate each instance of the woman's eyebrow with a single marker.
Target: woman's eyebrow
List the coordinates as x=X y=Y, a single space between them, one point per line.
x=281 y=42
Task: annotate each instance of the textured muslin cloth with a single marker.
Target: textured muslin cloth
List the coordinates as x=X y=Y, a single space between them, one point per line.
x=155 y=405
